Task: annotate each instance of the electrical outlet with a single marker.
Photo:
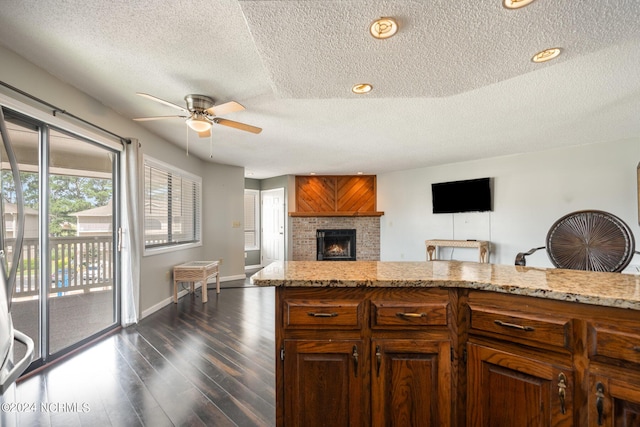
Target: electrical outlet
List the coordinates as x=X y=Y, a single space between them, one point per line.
x=236 y=224
x=245 y=255
x=167 y=275
x=220 y=261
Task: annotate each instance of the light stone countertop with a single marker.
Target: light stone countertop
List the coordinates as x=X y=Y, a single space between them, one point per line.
x=605 y=289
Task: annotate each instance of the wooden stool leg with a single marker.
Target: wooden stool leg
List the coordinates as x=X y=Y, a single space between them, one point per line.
x=205 y=297
x=175 y=291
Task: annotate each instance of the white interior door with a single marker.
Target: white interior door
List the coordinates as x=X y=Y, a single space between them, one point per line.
x=272 y=225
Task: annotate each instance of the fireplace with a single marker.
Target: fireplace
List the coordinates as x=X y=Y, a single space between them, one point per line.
x=336 y=245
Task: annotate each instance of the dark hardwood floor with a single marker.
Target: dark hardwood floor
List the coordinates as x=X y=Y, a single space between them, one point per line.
x=188 y=364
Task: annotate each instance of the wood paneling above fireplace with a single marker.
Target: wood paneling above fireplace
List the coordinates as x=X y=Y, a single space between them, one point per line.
x=336 y=195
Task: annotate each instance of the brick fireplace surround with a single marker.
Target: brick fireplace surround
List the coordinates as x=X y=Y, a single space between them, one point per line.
x=303 y=232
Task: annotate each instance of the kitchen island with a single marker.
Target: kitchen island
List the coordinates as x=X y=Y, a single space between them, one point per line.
x=446 y=343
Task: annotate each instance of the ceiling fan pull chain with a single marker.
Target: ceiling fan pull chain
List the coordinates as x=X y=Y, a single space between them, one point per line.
x=211 y=145
x=187 y=130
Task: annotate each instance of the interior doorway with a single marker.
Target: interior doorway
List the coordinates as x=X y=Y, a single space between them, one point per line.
x=273 y=229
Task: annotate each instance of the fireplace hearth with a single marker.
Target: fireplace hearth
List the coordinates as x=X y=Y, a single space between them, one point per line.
x=336 y=245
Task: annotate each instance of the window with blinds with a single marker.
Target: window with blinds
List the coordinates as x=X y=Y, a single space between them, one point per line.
x=251 y=219
x=171 y=205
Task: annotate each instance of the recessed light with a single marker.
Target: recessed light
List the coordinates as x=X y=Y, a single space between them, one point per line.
x=516 y=4
x=361 y=88
x=383 y=28
x=546 y=55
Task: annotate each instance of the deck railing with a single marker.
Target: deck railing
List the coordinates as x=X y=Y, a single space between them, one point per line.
x=78 y=264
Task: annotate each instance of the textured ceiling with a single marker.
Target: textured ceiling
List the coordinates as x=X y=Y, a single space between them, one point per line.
x=455 y=84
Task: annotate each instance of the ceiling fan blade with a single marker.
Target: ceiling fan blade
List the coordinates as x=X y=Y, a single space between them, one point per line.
x=237 y=125
x=144 y=119
x=205 y=134
x=161 y=101
x=222 y=109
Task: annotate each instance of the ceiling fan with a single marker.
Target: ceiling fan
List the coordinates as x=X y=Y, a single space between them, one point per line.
x=201 y=114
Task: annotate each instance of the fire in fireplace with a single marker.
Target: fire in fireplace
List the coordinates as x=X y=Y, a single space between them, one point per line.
x=336 y=245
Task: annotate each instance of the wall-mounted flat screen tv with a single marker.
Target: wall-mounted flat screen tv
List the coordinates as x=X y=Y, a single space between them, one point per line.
x=472 y=195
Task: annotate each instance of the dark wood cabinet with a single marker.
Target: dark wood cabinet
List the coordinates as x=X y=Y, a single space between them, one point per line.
x=520 y=369
x=353 y=357
x=613 y=402
x=507 y=389
x=411 y=383
x=614 y=380
x=410 y=356
x=324 y=383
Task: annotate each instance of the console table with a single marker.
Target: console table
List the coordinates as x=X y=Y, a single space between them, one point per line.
x=193 y=272
x=482 y=245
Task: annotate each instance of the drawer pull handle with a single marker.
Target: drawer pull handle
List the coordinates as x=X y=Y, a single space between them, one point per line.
x=514 y=326
x=562 y=391
x=411 y=315
x=636 y=348
x=600 y=402
x=312 y=314
x=378 y=360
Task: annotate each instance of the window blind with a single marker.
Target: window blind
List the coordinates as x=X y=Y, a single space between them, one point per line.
x=171 y=206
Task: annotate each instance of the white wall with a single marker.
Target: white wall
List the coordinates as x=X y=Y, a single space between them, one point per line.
x=531 y=191
x=223 y=223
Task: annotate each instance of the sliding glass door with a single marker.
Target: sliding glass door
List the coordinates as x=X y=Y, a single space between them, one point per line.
x=67 y=288
x=81 y=240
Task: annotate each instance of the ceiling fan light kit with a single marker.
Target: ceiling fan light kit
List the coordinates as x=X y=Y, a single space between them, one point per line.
x=199 y=123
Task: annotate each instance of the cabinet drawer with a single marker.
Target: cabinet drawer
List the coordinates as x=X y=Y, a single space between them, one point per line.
x=323 y=313
x=404 y=313
x=522 y=326
x=614 y=342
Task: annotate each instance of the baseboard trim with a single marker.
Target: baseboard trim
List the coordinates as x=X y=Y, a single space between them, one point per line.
x=167 y=301
x=236 y=277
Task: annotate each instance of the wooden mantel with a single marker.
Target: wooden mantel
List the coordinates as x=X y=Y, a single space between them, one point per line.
x=335 y=214
x=336 y=195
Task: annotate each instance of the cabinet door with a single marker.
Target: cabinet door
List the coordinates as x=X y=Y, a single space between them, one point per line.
x=323 y=383
x=507 y=390
x=411 y=383
x=613 y=402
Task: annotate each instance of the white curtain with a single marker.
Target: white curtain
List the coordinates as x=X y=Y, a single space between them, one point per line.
x=130 y=240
